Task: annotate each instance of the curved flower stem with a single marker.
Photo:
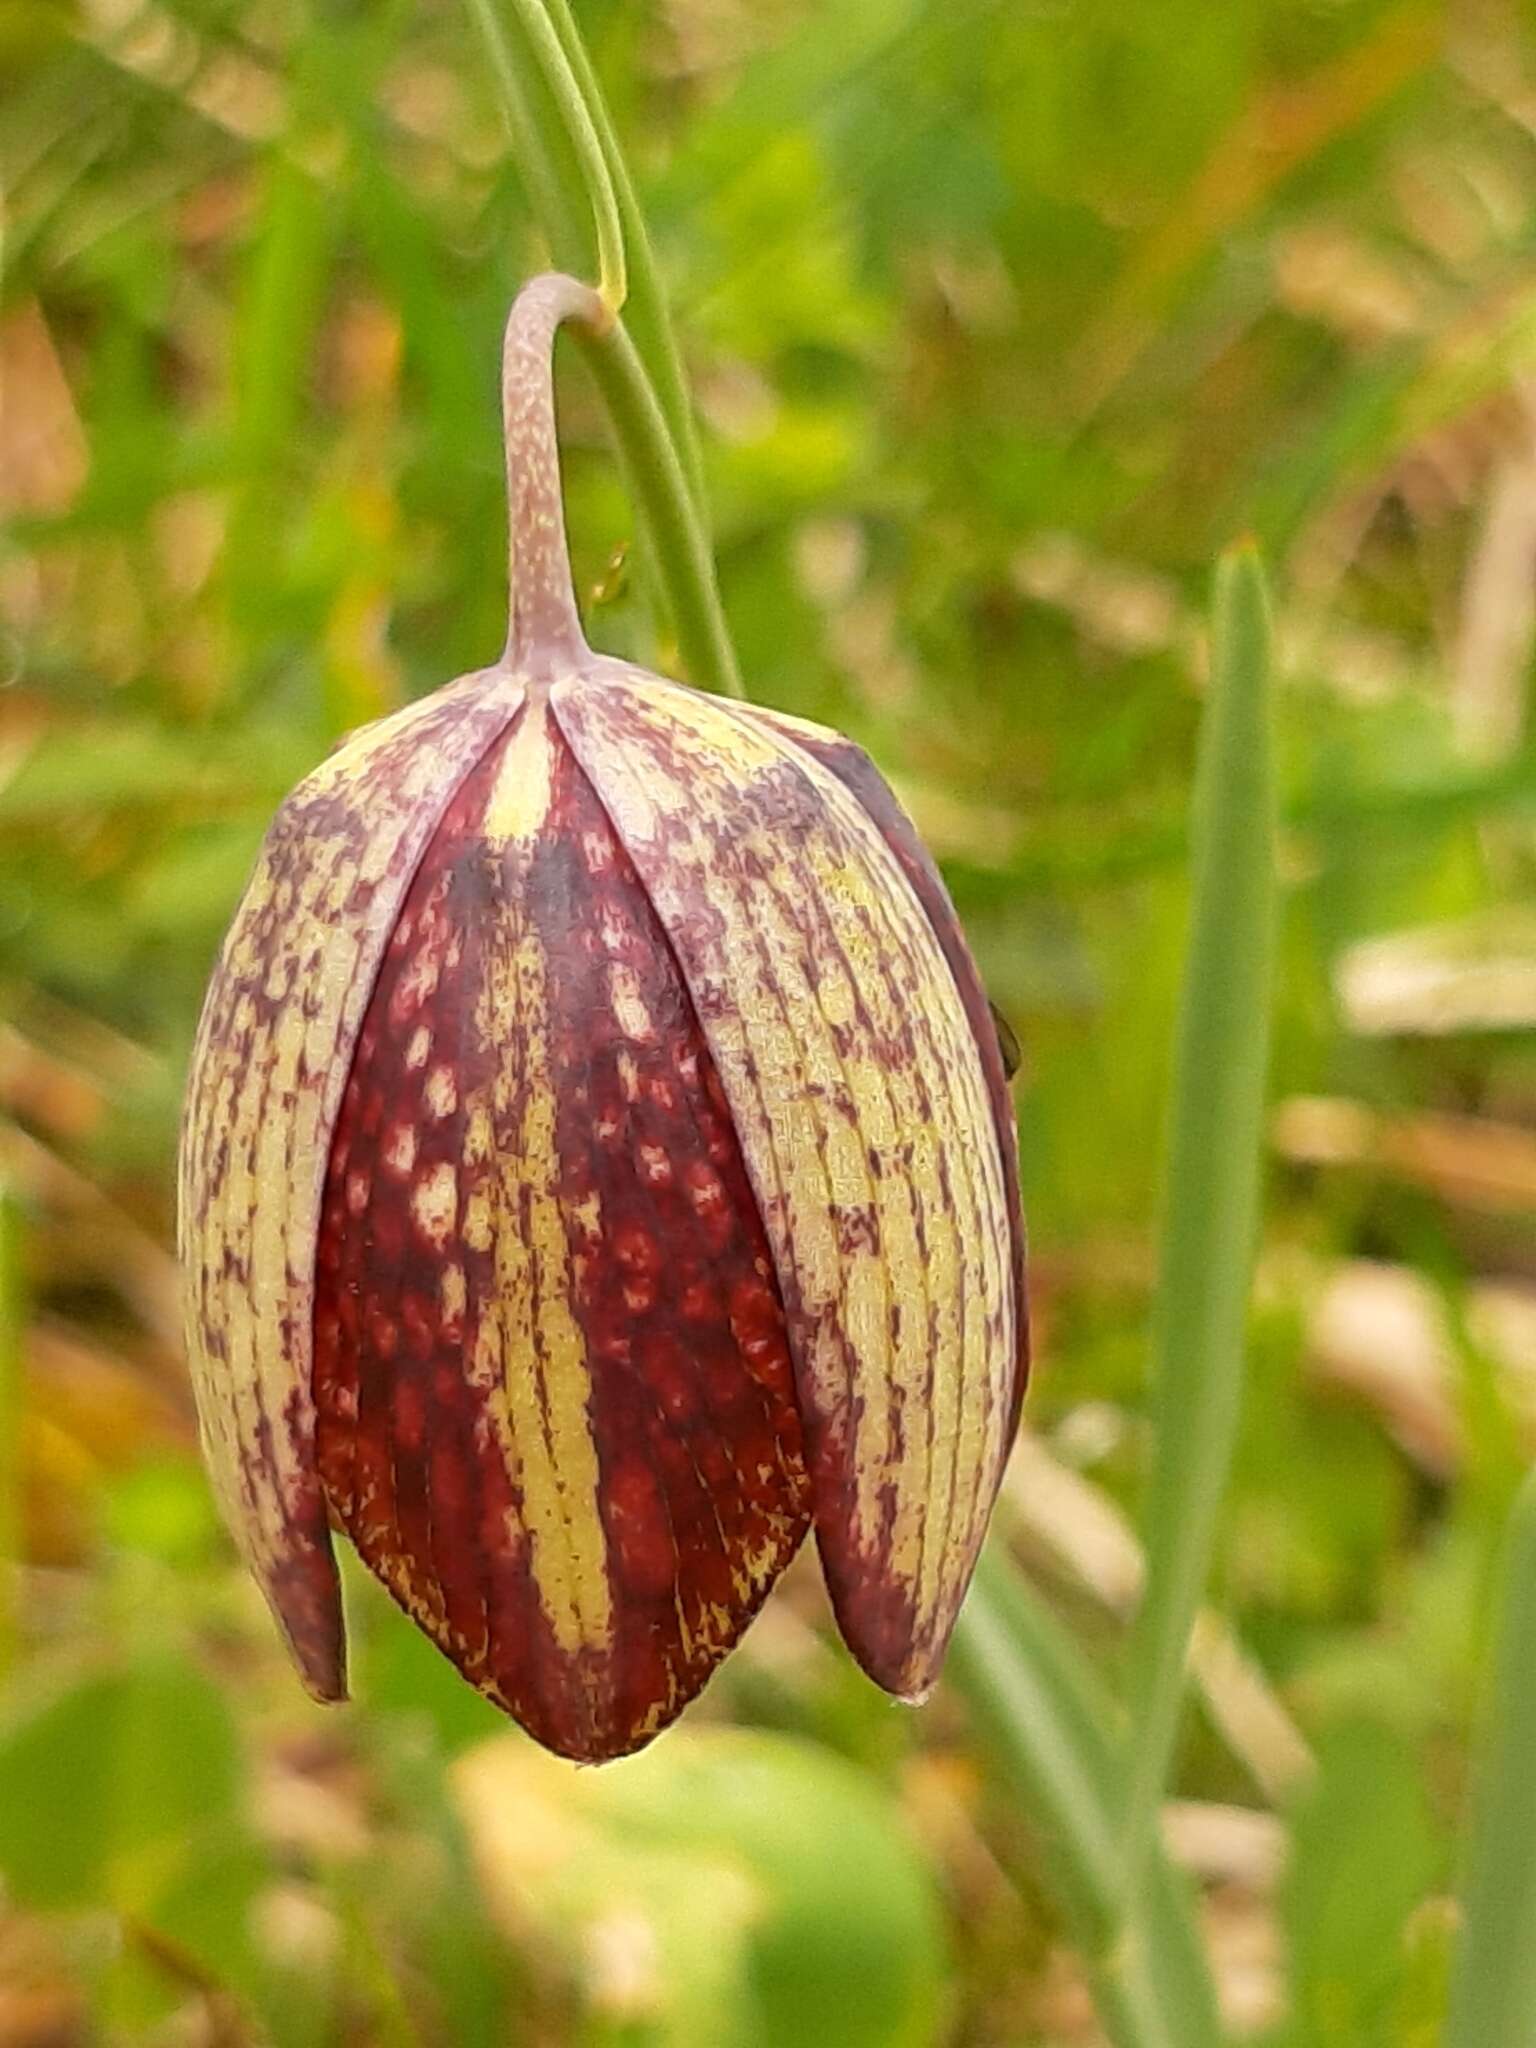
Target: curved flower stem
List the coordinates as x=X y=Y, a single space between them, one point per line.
x=543 y=627
x=632 y=373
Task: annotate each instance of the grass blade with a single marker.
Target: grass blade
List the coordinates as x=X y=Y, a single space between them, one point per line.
x=636 y=370
x=1493 y=1985
x=645 y=309
x=1039 y=1708
x=570 y=98
x=1211 y=1215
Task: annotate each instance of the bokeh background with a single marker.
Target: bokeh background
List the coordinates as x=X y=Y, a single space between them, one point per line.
x=1002 y=316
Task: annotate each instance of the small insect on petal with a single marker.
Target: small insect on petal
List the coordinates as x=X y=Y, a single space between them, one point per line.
x=1009 y=1049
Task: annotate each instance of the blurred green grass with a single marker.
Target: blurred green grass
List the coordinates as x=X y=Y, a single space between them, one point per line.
x=1001 y=321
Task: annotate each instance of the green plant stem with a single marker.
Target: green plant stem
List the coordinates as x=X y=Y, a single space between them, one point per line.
x=1493 y=1982
x=653 y=470
x=645 y=310
x=1041 y=1712
x=630 y=380
x=1212 y=1191
x=549 y=54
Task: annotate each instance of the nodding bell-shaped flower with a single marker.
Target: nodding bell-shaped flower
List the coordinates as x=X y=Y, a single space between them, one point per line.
x=598 y=1169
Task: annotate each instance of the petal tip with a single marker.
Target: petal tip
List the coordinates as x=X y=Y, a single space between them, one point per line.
x=304 y=1594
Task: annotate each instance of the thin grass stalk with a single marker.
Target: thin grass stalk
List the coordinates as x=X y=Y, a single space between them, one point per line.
x=1053 y=1731
x=549 y=55
x=1213 y=1177
x=654 y=465
x=1493 y=1981
x=645 y=309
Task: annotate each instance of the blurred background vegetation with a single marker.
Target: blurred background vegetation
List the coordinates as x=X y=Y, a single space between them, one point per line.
x=1001 y=317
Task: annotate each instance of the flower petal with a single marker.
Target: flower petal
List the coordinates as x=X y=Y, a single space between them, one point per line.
x=860 y=1101
x=267 y=1074
x=556 y=1406
x=858 y=773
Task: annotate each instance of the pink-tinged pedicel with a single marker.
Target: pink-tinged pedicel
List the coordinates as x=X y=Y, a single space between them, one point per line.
x=556 y=1409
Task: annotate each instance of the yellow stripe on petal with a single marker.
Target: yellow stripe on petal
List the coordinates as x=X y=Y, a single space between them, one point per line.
x=858 y=774
x=858 y=1095
x=531 y=1353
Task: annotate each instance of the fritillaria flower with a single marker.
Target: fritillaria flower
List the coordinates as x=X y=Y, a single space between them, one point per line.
x=598 y=1170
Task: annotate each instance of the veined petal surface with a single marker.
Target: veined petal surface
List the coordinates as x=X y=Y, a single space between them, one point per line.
x=853 y=767
x=859 y=1097
x=557 y=1410
x=268 y=1069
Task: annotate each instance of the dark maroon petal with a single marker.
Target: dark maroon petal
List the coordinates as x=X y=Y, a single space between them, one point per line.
x=556 y=1405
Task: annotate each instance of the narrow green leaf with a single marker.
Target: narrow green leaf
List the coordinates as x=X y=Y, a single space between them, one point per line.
x=1493 y=1988
x=279 y=313
x=279 y=308
x=645 y=309
x=550 y=56
x=1362 y=1855
x=1053 y=1729
x=1212 y=1200
x=56 y=1780
x=653 y=473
